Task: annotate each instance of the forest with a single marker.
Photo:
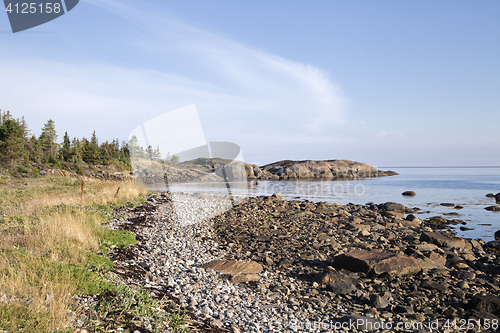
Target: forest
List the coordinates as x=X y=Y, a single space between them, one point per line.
x=19 y=149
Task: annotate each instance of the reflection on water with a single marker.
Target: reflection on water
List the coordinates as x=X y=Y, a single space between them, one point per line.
x=462 y=186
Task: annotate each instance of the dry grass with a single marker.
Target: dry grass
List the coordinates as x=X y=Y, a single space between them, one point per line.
x=46 y=231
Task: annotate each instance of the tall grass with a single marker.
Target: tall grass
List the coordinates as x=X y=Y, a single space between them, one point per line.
x=47 y=230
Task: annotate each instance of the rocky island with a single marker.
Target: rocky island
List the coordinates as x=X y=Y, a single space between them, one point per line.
x=216 y=169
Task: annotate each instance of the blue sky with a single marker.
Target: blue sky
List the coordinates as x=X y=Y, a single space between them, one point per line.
x=389 y=83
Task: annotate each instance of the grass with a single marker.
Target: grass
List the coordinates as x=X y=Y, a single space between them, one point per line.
x=52 y=241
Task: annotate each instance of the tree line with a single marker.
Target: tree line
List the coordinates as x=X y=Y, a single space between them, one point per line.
x=19 y=147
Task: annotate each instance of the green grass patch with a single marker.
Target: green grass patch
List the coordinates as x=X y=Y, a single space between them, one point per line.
x=119 y=238
x=26 y=319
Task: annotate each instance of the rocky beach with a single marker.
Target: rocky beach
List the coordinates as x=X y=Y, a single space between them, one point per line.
x=271 y=265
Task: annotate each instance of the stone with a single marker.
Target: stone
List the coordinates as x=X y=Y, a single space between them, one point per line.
x=392 y=206
x=378 y=301
x=490 y=195
x=444 y=240
x=239 y=278
x=342 y=288
x=493 y=246
x=447 y=204
x=497 y=235
x=493 y=208
x=432 y=285
x=404 y=309
x=378 y=262
x=485 y=303
x=409 y=193
x=464 y=275
x=234 y=266
x=497 y=197
x=329 y=277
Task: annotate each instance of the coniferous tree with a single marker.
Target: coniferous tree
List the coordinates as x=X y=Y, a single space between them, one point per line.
x=12 y=147
x=66 y=148
x=48 y=139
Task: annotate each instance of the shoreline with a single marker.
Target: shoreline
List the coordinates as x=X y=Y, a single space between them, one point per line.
x=300 y=246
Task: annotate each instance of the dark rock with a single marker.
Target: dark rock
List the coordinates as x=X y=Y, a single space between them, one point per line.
x=342 y=288
x=497 y=235
x=463 y=274
x=485 y=303
x=409 y=193
x=493 y=208
x=432 y=285
x=404 y=309
x=497 y=197
x=447 y=204
x=444 y=240
x=458 y=207
x=490 y=195
x=493 y=246
x=378 y=262
x=392 y=206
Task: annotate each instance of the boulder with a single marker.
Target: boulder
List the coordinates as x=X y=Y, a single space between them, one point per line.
x=497 y=197
x=442 y=239
x=409 y=193
x=493 y=208
x=497 y=235
x=378 y=262
x=485 y=303
x=392 y=206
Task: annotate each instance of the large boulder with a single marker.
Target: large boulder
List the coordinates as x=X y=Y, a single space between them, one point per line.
x=378 y=262
x=497 y=197
x=445 y=240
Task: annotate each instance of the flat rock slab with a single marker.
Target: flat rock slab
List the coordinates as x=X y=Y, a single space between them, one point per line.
x=493 y=208
x=444 y=240
x=234 y=267
x=378 y=262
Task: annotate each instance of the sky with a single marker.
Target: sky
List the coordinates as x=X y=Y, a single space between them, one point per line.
x=388 y=83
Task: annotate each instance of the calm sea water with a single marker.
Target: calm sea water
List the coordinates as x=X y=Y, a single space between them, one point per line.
x=459 y=185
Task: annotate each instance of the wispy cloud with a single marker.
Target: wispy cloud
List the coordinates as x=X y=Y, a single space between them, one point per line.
x=243 y=94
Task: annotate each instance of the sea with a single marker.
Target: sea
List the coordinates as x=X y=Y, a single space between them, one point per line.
x=463 y=186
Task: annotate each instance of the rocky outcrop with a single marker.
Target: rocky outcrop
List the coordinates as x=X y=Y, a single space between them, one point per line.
x=330 y=169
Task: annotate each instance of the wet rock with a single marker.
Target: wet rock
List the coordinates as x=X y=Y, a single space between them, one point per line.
x=493 y=208
x=409 y=193
x=497 y=197
x=497 y=235
x=447 y=204
x=392 y=206
x=490 y=195
x=378 y=262
x=493 y=246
